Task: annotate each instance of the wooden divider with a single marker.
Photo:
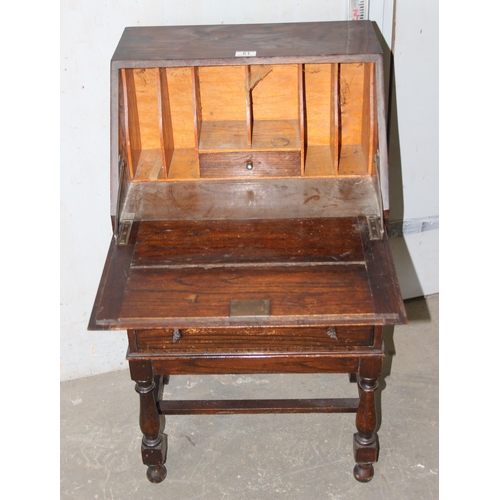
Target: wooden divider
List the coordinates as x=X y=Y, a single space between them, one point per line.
x=130 y=122
x=185 y=159
x=249 y=105
x=335 y=119
x=302 y=121
x=165 y=124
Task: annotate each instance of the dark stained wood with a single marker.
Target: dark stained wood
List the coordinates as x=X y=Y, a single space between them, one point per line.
x=222 y=407
x=366 y=447
x=382 y=275
x=132 y=340
x=282 y=241
x=308 y=279
x=219 y=364
x=317 y=271
x=298 y=294
x=154 y=444
x=264 y=164
x=174 y=45
x=250 y=340
x=107 y=305
x=377 y=339
x=290 y=234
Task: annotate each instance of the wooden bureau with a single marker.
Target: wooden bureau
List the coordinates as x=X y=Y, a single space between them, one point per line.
x=249 y=200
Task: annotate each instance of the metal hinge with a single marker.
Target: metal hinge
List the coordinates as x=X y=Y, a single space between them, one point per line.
x=124 y=228
x=374 y=227
x=123 y=222
x=121 y=170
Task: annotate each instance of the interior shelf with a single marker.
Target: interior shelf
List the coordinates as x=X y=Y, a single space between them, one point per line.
x=186 y=123
x=229 y=135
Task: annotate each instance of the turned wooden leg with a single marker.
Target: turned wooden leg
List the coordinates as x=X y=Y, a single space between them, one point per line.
x=366 y=445
x=154 y=443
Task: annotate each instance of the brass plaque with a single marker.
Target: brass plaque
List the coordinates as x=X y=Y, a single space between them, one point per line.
x=252 y=308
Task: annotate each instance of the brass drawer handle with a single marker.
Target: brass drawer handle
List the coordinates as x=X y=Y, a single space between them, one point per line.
x=176 y=336
x=331 y=331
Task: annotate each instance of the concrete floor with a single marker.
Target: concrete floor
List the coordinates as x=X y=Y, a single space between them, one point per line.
x=305 y=456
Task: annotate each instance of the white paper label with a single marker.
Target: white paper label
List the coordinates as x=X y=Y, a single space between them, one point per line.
x=245 y=53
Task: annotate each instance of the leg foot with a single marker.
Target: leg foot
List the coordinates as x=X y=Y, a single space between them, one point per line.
x=366 y=445
x=363 y=473
x=156 y=473
x=154 y=454
x=154 y=442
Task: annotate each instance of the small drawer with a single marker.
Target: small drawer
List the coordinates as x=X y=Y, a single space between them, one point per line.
x=353 y=335
x=251 y=339
x=250 y=164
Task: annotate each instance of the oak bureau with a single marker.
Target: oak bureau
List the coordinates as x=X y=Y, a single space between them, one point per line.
x=249 y=203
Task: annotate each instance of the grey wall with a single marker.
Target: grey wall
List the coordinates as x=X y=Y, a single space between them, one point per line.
x=414 y=146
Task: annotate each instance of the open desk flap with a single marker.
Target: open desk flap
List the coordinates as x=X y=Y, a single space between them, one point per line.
x=289 y=272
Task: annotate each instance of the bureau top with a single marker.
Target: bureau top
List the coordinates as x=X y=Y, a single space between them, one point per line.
x=249 y=43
